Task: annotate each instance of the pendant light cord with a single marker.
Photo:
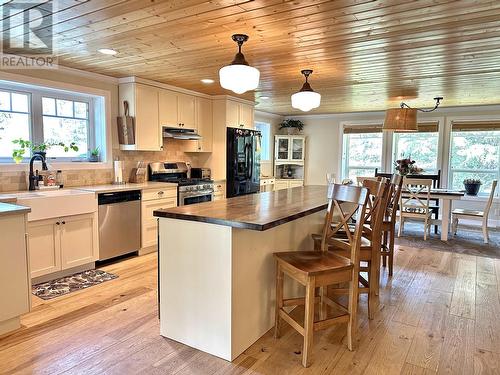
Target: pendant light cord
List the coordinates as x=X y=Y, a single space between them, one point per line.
x=438 y=102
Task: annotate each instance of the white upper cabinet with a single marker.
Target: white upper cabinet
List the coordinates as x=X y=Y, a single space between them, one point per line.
x=143 y=103
x=239 y=115
x=177 y=110
x=204 y=126
x=289 y=148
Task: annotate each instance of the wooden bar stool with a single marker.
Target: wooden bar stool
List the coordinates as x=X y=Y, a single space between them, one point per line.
x=315 y=269
x=389 y=223
x=371 y=242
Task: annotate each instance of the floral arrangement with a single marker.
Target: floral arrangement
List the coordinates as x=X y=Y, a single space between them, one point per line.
x=406 y=166
x=472 y=181
x=291 y=124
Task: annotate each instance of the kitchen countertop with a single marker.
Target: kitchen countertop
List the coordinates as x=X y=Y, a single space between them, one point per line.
x=254 y=211
x=126 y=187
x=13 y=209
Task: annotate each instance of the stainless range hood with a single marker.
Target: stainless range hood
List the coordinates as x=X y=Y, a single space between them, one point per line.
x=179 y=133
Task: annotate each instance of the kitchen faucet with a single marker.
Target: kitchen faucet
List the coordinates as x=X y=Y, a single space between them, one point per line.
x=33 y=179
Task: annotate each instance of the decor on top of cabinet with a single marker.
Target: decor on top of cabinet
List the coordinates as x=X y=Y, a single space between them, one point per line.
x=37 y=148
x=291 y=126
x=472 y=186
x=239 y=76
x=306 y=99
x=406 y=166
x=126 y=126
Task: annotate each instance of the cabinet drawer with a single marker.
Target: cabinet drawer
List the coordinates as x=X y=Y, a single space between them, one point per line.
x=149 y=207
x=167 y=193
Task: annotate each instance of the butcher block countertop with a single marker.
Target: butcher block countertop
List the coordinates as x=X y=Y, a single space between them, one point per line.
x=259 y=212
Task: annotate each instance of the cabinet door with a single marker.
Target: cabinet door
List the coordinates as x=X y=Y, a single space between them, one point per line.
x=280 y=185
x=297 y=148
x=232 y=114
x=148 y=130
x=204 y=122
x=45 y=247
x=282 y=148
x=14 y=278
x=77 y=240
x=246 y=116
x=186 y=111
x=168 y=109
x=148 y=221
x=295 y=183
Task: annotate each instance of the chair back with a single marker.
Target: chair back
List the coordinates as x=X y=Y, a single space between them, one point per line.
x=360 y=179
x=490 y=199
x=345 y=201
x=382 y=174
x=396 y=185
x=416 y=195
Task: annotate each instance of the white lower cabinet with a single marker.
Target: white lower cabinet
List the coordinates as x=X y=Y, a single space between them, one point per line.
x=153 y=200
x=287 y=184
x=62 y=243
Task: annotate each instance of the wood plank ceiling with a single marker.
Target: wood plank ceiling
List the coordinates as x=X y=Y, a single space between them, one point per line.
x=366 y=54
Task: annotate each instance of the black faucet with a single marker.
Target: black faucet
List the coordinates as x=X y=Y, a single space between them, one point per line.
x=33 y=179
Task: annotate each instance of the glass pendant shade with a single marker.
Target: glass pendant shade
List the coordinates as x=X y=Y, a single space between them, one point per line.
x=401 y=120
x=306 y=99
x=239 y=77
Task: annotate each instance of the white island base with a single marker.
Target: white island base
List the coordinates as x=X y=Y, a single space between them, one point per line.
x=217 y=282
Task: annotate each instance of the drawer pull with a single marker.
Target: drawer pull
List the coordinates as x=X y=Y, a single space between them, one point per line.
x=160 y=193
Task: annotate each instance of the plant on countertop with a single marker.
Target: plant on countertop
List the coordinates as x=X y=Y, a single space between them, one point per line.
x=291 y=124
x=18 y=153
x=406 y=166
x=472 y=186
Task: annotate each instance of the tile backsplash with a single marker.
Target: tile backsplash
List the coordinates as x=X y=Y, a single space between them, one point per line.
x=14 y=181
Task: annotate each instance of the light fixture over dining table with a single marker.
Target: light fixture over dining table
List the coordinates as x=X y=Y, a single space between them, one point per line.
x=239 y=76
x=306 y=99
x=404 y=119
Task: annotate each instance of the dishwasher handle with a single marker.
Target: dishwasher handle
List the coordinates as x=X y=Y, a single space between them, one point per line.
x=119 y=197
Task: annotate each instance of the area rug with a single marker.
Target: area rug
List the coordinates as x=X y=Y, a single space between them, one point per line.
x=68 y=284
x=469 y=240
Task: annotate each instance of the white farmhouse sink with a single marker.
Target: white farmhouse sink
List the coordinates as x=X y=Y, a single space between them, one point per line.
x=56 y=203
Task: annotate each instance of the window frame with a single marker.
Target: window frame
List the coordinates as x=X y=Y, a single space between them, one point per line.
x=395 y=150
x=270 y=140
x=35 y=114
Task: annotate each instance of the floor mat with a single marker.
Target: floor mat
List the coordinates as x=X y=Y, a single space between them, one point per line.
x=68 y=284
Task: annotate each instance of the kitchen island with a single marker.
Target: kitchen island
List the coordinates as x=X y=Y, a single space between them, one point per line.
x=216 y=269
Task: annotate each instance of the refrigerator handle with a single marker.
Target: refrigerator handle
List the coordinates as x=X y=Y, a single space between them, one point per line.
x=250 y=176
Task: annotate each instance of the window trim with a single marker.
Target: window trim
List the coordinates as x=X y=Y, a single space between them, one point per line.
x=270 y=143
x=99 y=110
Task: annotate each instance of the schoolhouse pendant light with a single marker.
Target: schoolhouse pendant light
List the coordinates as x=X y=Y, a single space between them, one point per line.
x=239 y=77
x=306 y=99
x=404 y=119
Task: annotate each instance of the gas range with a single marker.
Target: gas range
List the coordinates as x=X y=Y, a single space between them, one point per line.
x=189 y=190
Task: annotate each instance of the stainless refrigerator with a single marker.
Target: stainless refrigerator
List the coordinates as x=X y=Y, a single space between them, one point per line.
x=243 y=162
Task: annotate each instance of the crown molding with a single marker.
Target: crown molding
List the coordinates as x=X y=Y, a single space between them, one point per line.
x=134 y=79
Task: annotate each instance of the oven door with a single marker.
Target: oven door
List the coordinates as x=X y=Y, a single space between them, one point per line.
x=193 y=198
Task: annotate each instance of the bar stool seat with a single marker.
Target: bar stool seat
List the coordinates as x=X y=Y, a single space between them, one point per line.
x=313 y=263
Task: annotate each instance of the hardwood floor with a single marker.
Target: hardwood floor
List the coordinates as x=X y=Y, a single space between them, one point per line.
x=438 y=314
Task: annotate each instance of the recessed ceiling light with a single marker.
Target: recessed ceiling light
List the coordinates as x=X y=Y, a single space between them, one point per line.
x=207 y=80
x=264 y=97
x=107 y=51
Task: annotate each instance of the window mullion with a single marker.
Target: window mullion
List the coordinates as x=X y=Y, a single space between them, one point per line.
x=37 y=118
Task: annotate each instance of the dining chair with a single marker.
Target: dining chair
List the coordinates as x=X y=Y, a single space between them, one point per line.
x=389 y=223
x=371 y=242
x=318 y=269
x=360 y=179
x=460 y=213
x=415 y=202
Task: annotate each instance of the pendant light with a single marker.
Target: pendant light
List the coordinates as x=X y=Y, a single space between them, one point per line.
x=306 y=99
x=404 y=119
x=239 y=77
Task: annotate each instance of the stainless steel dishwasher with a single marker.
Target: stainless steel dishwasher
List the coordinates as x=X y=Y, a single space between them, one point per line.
x=119 y=223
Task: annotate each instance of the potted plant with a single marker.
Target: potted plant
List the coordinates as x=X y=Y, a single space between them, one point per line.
x=292 y=126
x=37 y=148
x=472 y=186
x=94 y=154
x=406 y=166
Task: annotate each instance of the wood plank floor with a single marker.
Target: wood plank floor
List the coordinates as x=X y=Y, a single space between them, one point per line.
x=439 y=314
